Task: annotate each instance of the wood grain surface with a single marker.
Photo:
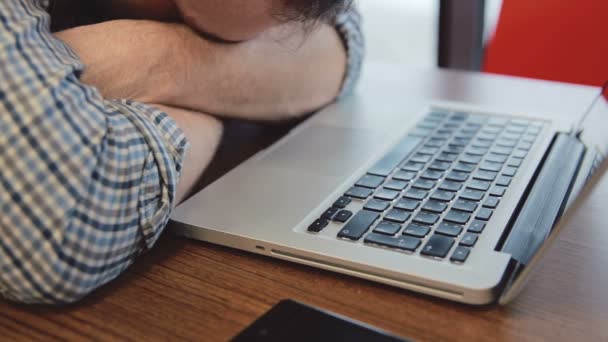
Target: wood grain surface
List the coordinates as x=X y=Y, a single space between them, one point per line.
x=190 y=290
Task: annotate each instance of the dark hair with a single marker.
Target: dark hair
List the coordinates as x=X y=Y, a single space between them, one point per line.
x=311 y=11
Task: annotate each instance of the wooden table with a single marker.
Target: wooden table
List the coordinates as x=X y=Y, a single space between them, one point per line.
x=194 y=290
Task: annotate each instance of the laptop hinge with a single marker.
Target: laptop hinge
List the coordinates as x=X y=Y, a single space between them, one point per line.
x=547 y=199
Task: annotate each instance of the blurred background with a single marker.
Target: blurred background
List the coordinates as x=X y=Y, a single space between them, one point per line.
x=544 y=39
x=406 y=31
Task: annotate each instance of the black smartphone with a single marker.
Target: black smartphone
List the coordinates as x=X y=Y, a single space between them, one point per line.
x=291 y=321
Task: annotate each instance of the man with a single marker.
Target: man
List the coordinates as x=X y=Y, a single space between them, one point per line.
x=93 y=159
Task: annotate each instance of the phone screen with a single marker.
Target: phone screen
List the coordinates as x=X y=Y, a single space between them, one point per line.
x=293 y=321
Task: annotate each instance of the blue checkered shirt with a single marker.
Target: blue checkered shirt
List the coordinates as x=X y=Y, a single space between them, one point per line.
x=86 y=184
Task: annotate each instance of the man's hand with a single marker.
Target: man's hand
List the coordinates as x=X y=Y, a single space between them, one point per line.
x=280 y=74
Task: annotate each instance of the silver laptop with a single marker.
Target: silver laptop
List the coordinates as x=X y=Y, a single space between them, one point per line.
x=450 y=184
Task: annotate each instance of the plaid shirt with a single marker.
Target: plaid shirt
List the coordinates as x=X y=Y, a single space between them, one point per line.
x=86 y=184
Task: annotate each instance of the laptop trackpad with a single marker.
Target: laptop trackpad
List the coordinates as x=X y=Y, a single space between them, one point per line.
x=283 y=186
x=326 y=150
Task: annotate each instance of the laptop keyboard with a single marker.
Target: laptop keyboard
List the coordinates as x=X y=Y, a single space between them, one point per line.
x=435 y=191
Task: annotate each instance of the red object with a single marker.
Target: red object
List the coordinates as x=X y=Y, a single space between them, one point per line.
x=560 y=40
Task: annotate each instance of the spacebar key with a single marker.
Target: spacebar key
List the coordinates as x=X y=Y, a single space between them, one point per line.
x=389 y=162
x=358 y=225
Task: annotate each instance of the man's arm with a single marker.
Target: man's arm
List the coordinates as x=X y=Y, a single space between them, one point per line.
x=86 y=183
x=280 y=74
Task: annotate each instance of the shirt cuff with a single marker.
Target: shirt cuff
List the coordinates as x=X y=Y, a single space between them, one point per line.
x=348 y=25
x=163 y=166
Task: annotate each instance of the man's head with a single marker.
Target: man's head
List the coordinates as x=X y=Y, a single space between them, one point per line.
x=240 y=20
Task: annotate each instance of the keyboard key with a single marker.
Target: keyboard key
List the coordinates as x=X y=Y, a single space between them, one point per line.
x=358 y=225
x=502 y=150
x=451 y=125
x=460 y=142
x=457 y=176
x=438 y=246
x=484 y=214
x=457 y=216
x=426 y=218
x=404 y=175
x=376 y=205
x=397 y=215
x=529 y=138
x=459 y=116
x=504 y=142
x=342 y=202
x=520 y=122
x=469 y=239
x=460 y=255
x=428 y=124
x=473 y=195
x=450 y=186
x=416 y=230
x=447 y=157
x=413 y=166
x=397 y=185
x=421 y=158
x=485 y=175
x=407 y=204
x=465 y=134
x=492 y=130
x=432 y=175
x=330 y=213
x=358 y=192
x=462 y=167
x=343 y=216
x=509 y=171
x=440 y=166
x=464 y=205
x=526 y=146
x=416 y=194
x=470 y=159
x=496 y=158
x=370 y=181
x=318 y=225
x=405 y=243
x=477 y=227
x=387 y=228
x=428 y=150
x=491 y=202
x=477 y=151
x=449 y=229
x=515 y=162
x=453 y=149
x=402 y=150
x=503 y=181
x=498 y=191
x=487 y=136
x=512 y=134
x=520 y=154
x=442 y=195
x=433 y=142
x=435 y=207
x=424 y=184
x=386 y=194
x=479 y=185
x=482 y=143
x=490 y=166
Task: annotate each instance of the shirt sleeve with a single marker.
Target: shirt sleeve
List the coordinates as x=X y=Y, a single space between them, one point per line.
x=86 y=184
x=348 y=23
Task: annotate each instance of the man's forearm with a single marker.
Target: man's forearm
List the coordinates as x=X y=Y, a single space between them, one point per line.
x=276 y=75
